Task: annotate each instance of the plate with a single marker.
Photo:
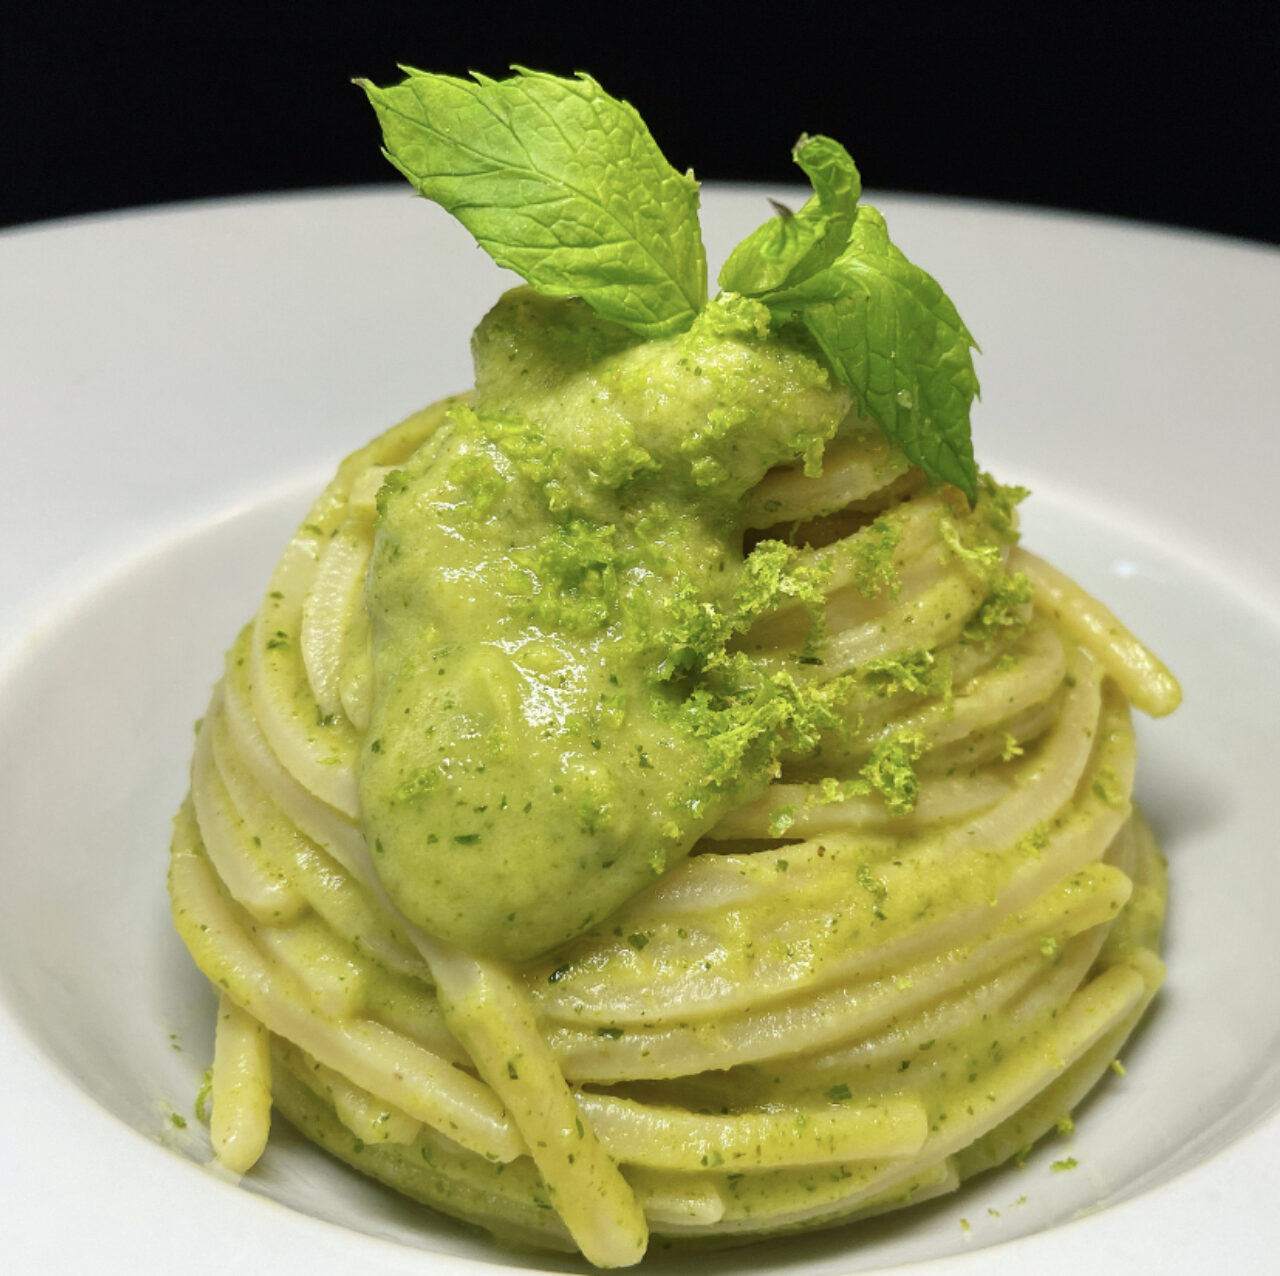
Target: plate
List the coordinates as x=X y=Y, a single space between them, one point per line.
x=178 y=383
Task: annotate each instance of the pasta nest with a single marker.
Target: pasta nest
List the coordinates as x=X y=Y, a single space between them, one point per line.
x=849 y=998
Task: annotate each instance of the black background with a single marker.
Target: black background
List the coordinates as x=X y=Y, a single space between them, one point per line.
x=1155 y=111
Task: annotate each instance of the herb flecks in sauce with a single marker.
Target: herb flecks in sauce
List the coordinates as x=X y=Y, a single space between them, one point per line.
x=557 y=585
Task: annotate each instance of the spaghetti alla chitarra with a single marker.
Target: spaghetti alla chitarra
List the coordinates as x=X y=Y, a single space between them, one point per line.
x=645 y=803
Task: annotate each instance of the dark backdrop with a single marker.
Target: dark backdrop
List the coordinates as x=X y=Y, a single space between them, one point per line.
x=1164 y=112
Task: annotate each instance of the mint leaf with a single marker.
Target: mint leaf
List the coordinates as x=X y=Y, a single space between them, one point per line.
x=791 y=247
x=894 y=337
x=886 y=328
x=559 y=182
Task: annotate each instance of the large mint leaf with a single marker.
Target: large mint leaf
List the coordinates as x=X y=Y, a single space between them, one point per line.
x=791 y=247
x=891 y=334
x=559 y=182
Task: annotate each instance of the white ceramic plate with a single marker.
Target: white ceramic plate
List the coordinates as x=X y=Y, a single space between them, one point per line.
x=175 y=385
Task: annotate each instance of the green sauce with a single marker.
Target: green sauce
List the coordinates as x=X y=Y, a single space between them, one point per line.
x=557 y=582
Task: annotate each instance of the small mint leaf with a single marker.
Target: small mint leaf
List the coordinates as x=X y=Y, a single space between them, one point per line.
x=559 y=182
x=791 y=247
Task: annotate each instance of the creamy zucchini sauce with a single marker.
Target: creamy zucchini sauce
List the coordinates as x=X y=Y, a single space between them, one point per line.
x=557 y=574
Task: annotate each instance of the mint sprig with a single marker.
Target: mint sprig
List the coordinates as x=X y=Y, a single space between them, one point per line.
x=559 y=182
x=792 y=247
x=565 y=185
x=886 y=328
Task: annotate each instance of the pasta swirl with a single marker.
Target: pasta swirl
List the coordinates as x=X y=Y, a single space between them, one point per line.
x=896 y=960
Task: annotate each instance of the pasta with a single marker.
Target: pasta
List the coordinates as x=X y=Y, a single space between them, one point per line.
x=893 y=962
